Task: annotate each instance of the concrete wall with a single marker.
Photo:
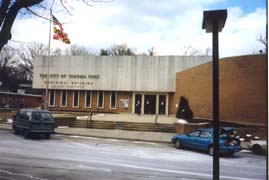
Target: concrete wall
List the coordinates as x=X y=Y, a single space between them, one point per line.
x=117 y=73
x=242 y=89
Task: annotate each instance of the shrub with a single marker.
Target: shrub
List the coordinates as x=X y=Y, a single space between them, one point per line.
x=184 y=111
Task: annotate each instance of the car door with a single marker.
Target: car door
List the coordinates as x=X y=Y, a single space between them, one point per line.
x=20 y=120
x=204 y=139
x=192 y=139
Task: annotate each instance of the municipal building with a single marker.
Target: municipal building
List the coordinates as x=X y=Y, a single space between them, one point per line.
x=153 y=84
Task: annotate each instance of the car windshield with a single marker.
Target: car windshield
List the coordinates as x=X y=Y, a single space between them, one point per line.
x=38 y=116
x=226 y=134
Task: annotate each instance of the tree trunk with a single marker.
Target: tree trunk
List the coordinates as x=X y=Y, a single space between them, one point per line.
x=10 y=16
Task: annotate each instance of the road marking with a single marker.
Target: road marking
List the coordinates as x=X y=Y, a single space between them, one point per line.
x=5 y=178
x=94 y=168
x=171 y=171
x=159 y=169
x=25 y=175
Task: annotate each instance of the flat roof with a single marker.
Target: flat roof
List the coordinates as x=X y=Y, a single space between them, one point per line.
x=19 y=94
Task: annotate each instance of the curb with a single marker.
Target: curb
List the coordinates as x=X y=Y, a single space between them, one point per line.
x=119 y=138
x=5 y=129
x=103 y=137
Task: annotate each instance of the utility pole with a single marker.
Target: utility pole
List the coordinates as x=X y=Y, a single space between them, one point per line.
x=214 y=21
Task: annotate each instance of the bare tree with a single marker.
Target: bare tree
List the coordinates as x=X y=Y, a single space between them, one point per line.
x=118 y=50
x=121 y=50
x=152 y=51
x=76 y=50
x=9 y=10
x=27 y=53
x=190 y=51
x=208 y=51
x=7 y=64
x=262 y=40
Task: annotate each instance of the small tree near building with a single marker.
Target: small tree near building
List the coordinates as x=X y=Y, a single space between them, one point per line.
x=184 y=111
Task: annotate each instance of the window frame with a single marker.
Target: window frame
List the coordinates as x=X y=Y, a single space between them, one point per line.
x=110 y=103
x=54 y=94
x=66 y=97
x=86 y=93
x=73 y=100
x=98 y=94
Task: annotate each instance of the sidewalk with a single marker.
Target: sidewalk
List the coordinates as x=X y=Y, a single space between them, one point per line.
x=123 y=117
x=158 y=137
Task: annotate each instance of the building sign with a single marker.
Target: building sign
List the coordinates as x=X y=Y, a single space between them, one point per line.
x=124 y=103
x=70 y=76
x=69 y=80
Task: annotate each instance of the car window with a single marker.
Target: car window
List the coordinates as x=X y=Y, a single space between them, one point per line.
x=24 y=115
x=21 y=115
x=226 y=135
x=205 y=134
x=194 y=134
x=36 y=116
x=39 y=116
x=27 y=115
x=46 y=115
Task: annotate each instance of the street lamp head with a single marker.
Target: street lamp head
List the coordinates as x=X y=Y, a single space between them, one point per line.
x=217 y=17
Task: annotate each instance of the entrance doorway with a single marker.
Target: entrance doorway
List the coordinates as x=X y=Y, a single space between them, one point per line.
x=150 y=104
x=162 y=104
x=138 y=103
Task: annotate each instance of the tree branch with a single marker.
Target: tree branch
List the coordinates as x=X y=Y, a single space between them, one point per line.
x=3 y=10
x=5 y=33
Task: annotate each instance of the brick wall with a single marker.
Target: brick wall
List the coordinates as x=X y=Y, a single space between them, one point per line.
x=19 y=100
x=81 y=107
x=242 y=82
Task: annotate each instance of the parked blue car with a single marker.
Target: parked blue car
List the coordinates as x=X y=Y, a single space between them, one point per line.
x=202 y=139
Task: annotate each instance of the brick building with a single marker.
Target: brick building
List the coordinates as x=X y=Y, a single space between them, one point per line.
x=153 y=84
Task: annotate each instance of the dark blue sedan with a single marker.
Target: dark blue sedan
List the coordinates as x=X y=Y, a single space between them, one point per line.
x=202 y=139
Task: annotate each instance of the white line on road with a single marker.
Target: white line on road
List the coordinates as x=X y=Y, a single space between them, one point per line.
x=25 y=175
x=161 y=170
x=172 y=171
x=94 y=168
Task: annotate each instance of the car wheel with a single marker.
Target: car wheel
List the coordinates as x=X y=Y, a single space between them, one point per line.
x=257 y=149
x=178 y=144
x=210 y=150
x=15 y=130
x=47 y=136
x=230 y=154
x=26 y=134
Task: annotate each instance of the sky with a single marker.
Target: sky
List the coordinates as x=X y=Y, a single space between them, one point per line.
x=170 y=26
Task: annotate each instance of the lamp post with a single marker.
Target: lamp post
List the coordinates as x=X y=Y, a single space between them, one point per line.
x=214 y=21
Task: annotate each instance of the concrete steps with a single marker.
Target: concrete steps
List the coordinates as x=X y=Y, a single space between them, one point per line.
x=131 y=126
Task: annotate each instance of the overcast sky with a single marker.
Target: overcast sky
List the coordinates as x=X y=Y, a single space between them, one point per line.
x=166 y=25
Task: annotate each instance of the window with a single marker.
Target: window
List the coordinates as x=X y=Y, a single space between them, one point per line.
x=52 y=98
x=113 y=100
x=194 y=134
x=39 y=116
x=64 y=99
x=88 y=99
x=75 y=98
x=205 y=134
x=100 y=99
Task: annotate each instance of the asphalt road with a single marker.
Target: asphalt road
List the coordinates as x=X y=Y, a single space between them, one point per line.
x=68 y=158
